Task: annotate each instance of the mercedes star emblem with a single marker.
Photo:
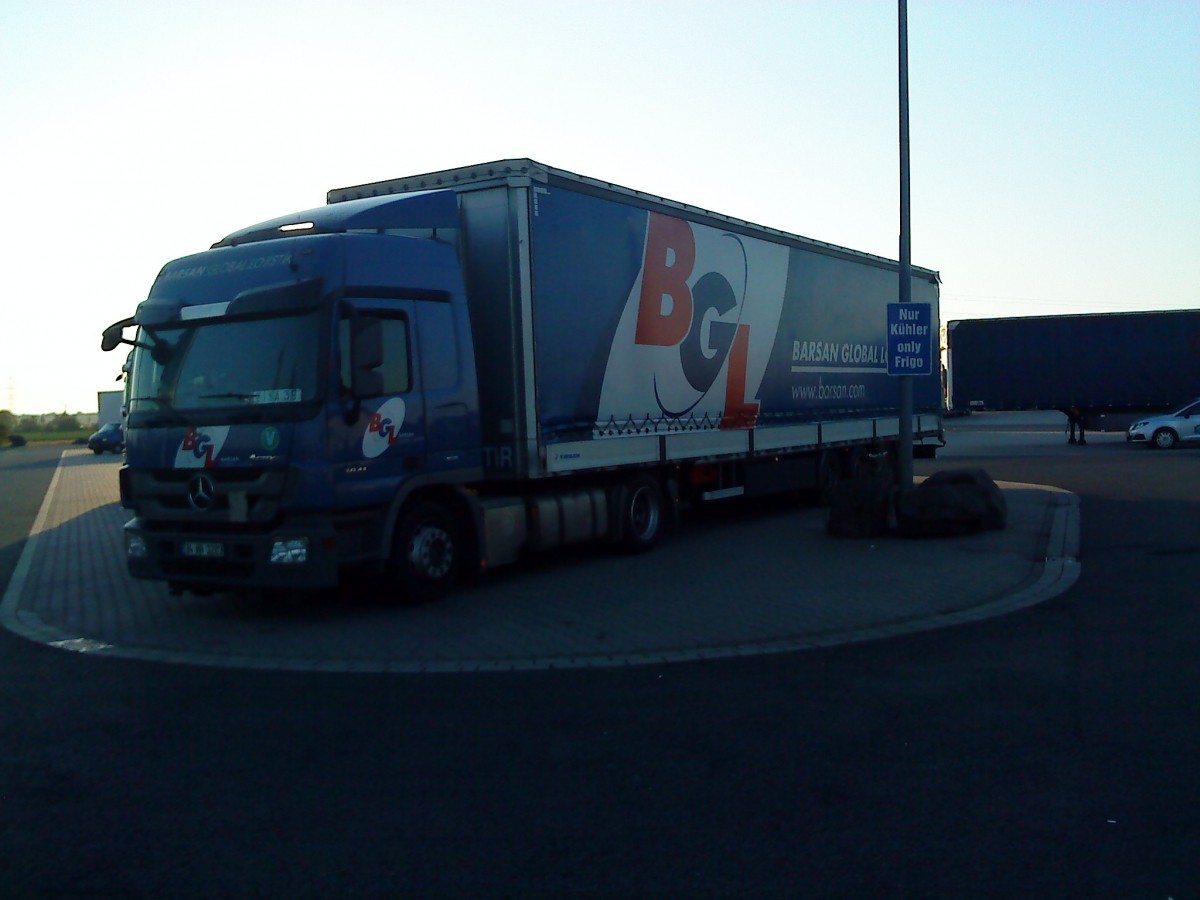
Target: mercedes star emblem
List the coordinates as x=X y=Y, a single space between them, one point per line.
x=202 y=493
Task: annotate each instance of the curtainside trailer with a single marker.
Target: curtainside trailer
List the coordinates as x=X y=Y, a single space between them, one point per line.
x=1086 y=366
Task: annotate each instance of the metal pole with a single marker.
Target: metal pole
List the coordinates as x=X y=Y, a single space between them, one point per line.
x=905 y=468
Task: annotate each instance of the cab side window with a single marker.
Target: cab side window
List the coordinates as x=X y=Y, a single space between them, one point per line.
x=396 y=369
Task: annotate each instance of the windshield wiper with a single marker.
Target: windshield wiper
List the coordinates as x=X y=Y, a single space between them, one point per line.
x=164 y=417
x=152 y=418
x=230 y=395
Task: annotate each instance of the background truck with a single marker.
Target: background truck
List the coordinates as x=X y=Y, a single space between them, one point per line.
x=440 y=373
x=109 y=405
x=1115 y=365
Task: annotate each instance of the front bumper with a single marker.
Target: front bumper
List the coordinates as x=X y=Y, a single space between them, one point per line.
x=190 y=558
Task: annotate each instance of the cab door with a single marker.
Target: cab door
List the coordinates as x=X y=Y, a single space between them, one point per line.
x=378 y=437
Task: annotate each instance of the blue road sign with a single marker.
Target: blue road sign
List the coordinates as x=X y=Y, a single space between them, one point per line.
x=910 y=339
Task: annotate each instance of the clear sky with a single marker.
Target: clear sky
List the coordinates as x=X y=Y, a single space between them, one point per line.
x=1055 y=143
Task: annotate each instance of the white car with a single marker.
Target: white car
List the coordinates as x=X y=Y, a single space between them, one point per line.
x=1164 y=432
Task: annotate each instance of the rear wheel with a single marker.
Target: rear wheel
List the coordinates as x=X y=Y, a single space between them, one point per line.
x=427 y=553
x=886 y=463
x=829 y=475
x=643 y=514
x=1165 y=439
x=878 y=462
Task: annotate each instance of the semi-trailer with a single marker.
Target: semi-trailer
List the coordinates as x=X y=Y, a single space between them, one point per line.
x=1116 y=365
x=440 y=373
x=109 y=406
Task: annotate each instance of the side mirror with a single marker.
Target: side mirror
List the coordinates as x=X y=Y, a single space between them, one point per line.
x=114 y=335
x=366 y=356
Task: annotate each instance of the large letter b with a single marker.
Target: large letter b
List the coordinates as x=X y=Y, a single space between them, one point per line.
x=665 y=306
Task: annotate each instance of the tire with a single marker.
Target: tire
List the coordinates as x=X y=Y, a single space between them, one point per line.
x=643 y=514
x=878 y=463
x=1165 y=439
x=426 y=553
x=887 y=464
x=829 y=476
x=97 y=450
x=858 y=464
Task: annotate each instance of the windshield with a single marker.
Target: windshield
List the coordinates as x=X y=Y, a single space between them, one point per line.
x=236 y=365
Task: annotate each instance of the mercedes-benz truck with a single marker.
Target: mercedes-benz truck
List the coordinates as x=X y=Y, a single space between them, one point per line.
x=438 y=374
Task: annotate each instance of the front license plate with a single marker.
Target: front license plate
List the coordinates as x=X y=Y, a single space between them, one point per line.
x=205 y=549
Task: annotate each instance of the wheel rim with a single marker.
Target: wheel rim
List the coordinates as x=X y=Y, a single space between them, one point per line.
x=431 y=552
x=1164 y=439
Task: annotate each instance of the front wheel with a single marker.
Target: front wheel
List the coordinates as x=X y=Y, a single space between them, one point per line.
x=643 y=514
x=1165 y=439
x=427 y=553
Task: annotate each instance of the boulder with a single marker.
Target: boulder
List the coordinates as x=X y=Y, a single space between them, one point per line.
x=953 y=502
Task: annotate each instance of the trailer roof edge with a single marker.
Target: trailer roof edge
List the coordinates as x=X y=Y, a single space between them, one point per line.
x=524 y=171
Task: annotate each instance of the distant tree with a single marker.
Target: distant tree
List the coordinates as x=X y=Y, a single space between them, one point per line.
x=64 y=422
x=28 y=423
x=7 y=421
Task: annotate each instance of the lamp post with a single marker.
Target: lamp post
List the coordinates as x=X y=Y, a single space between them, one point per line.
x=905 y=470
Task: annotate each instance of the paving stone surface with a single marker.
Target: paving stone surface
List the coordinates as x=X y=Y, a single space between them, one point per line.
x=759 y=581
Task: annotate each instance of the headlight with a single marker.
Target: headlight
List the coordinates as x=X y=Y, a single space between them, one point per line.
x=290 y=552
x=1138 y=425
x=135 y=547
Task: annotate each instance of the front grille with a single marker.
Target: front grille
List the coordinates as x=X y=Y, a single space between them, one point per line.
x=238 y=497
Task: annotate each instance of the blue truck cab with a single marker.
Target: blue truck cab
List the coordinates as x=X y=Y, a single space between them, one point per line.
x=291 y=388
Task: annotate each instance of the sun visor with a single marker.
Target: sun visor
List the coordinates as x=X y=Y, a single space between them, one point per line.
x=157 y=311
x=421 y=209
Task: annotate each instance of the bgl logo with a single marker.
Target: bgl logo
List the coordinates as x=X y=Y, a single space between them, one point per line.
x=200 y=448
x=383 y=427
x=688 y=320
x=671 y=314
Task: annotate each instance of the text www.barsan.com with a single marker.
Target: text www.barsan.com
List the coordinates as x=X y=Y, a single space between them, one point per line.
x=822 y=391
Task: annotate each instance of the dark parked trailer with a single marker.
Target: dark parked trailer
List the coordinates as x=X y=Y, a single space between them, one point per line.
x=1082 y=365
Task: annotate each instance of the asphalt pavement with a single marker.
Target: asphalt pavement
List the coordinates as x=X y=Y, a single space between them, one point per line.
x=1046 y=753
x=25 y=474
